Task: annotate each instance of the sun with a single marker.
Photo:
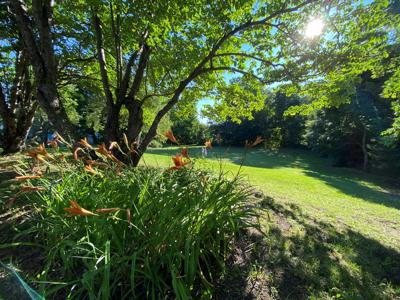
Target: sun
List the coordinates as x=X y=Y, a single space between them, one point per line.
x=314 y=28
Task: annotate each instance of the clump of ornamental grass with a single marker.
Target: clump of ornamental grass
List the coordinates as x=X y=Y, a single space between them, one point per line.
x=112 y=231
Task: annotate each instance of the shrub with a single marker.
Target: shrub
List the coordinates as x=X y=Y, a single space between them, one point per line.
x=168 y=235
x=155 y=144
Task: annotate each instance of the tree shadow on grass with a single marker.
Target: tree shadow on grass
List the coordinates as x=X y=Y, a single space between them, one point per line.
x=300 y=257
x=351 y=187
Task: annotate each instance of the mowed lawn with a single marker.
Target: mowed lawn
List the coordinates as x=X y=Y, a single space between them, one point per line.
x=331 y=233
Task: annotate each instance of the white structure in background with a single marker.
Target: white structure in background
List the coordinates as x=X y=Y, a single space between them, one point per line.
x=204 y=151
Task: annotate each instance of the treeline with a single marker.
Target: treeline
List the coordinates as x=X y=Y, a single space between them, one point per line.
x=355 y=134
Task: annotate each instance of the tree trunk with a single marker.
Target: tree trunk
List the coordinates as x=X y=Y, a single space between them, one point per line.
x=47 y=97
x=38 y=41
x=111 y=129
x=364 y=150
x=135 y=121
x=135 y=158
x=16 y=132
x=18 y=108
x=135 y=125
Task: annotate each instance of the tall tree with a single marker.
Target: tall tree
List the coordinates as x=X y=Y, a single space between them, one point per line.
x=17 y=105
x=36 y=32
x=178 y=50
x=351 y=132
x=17 y=101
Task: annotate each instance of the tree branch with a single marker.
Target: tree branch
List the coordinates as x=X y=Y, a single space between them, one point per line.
x=102 y=59
x=143 y=60
x=155 y=95
x=76 y=60
x=42 y=12
x=249 y=56
x=18 y=8
x=115 y=33
x=235 y=70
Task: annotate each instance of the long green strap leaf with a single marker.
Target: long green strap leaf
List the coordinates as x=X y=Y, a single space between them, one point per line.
x=32 y=293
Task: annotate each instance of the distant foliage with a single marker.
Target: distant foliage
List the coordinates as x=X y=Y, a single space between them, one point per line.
x=352 y=133
x=187 y=127
x=277 y=129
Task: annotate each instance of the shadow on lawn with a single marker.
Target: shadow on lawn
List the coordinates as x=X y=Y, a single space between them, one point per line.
x=353 y=188
x=301 y=258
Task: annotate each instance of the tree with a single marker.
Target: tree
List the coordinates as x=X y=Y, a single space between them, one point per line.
x=258 y=41
x=17 y=102
x=270 y=123
x=186 y=126
x=171 y=51
x=37 y=35
x=351 y=132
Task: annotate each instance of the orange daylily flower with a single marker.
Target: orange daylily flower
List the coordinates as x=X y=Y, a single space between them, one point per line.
x=77 y=210
x=184 y=152
x=208 y=144
x=25 y=177
x=53 y=143
x=61 y=140
x=107 y=210
x=97 y=163
x=258 y=140
x=89 y=169
x=76 y=156
x=39 y=153
x=171 y=136
x=179 y=163
x=85 y=143
x=102 y=149
x=28 y=188
x=41 y=149
x=35 y=156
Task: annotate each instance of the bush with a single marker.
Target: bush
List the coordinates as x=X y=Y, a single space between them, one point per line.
x=155 y=144
x=179 y=233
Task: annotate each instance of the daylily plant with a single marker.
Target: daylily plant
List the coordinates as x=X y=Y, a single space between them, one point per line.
x=171 y=136
x=26 y=177
x=179 y=162
x=77 y=210
x=257 y=141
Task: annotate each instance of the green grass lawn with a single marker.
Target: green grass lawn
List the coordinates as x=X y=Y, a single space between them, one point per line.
x=332 y=233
